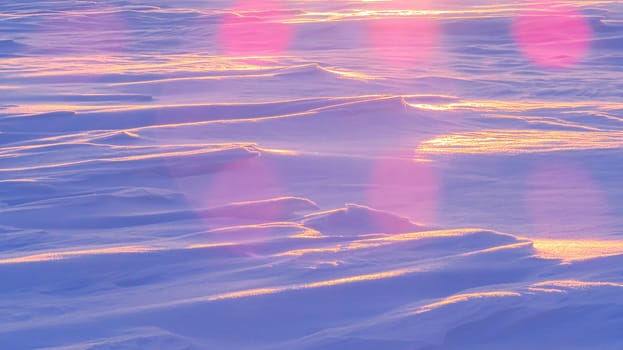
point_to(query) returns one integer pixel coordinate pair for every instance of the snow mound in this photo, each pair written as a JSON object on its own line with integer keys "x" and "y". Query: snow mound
{"x": 511, "y": 319}
{"x": 355, "y": 219}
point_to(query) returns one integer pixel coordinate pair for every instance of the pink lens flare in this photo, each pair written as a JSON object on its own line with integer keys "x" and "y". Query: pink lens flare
{"x": 405, "y": 186}
{"x": 401, "y": 36}
{"x": 552, "y": 36}
{"x": 403, "y": 5}
{"x": 236, "y": 201}
{"x": 562, "y": 200}
{"x": 240, "y": 183}
{"x": 255, "y": 27}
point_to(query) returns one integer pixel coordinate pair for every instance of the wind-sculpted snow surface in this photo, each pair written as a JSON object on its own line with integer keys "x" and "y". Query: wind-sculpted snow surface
{"x": 311, "y": 175}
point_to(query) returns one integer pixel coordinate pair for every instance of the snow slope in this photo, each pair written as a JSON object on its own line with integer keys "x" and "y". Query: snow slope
{"x": 311, "y": 175}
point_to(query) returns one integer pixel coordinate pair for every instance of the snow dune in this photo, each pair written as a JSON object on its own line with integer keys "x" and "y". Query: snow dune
{"x": 424, "y": 290}
{"x": 343, "y": 185}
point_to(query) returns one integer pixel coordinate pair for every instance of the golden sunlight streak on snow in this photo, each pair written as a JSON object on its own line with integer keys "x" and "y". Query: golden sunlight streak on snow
{"x": 574, "y": 250}
{"x": 520, "y": 141}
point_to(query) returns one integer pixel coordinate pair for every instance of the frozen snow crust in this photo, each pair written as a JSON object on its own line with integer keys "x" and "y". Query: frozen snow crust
{"x": 165, "y": 186}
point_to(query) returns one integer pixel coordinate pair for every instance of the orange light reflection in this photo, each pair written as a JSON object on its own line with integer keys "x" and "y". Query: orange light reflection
{"x": 576, "y": 250}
